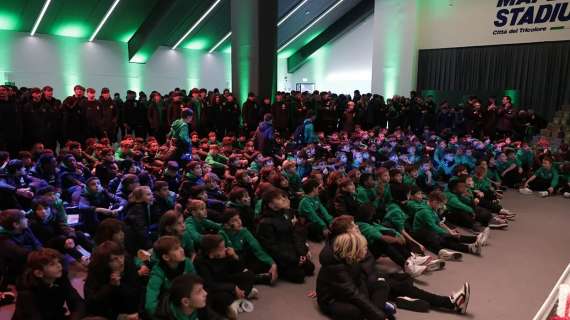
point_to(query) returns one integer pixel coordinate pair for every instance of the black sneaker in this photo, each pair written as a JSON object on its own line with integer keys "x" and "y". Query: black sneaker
{"x": 263, "y": 278}
{"x": 412, "y": 304}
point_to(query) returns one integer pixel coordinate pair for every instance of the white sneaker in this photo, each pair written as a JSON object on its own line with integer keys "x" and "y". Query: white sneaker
{"x": 245, "y": 306}
{"x": 566, "y": 195}
{"x": 460, "y": 299}
{"x": 525, "y": 191}
{"x": 420, "y": 260}
{"x": 506, "y": 212}
{"x": 253, "y": 294}
{"x": 475, "y": 248}
{"x": 543, "y": 194}
{"x": 413, "y": 270}
{"x": 435, "y": 265}
{"x": 449, "y": 255}
{"x": 498, "y": 223}
{"x": 483, "y": 237}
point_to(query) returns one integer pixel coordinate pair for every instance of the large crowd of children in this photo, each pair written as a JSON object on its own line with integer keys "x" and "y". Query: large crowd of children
{"x": 189, "y": 210}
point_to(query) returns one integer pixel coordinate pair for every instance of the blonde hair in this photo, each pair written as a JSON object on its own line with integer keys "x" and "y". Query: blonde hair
{"x": 136, "y": 195}
{"x": 351, "y": 247}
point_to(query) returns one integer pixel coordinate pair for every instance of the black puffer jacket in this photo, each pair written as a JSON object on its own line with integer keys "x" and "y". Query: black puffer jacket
{"x": 282, "y": 240}
{"x": 339, "y": 281}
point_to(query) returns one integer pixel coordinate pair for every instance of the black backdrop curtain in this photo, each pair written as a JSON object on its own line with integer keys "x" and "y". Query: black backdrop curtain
{"x": 539, "y": 71}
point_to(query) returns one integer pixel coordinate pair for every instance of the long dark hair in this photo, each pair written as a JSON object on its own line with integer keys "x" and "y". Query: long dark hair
{"x": 99, "y": 264}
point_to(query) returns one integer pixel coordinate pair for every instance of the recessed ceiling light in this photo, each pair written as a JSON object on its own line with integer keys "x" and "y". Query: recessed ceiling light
{"x": 195, "y": 25}
{"x": 40, "y": 17}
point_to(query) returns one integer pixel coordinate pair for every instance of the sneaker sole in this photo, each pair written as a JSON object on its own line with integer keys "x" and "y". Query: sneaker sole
{"x": 436, "y": 266}
{"x": 455, "y": 256}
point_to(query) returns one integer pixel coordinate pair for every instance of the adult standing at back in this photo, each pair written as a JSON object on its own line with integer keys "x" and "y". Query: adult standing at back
{"x": 73, "y": 115}
{"x": 506, "y": 115}
{"x": 250, "y": 113}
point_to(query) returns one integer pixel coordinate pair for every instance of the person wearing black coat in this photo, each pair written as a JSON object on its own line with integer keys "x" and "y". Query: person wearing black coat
{"x": 10, "y": 123}
{"x": 280, "y": 113}
{"x": 109, "y": 115}
{"x": 225, "y": 277}
{"x": 93, "y": 115}
{"x": 229, "y": 116}
{"x": 250, "y": 114}
{"x": 16, "y": 242}
{"x": 112, "y": 287}
{"x": 391, "y": 287}
{"x": 45, "y": 292}
{"x": 34, "y": 117}
{"x": 73, "y": 115}
{"x": 52, "y": 107}
{"x": 345, "y": 199}
{"x": 139, "y": 221}
{"x": 345, "y": 288}
{"x": 284, "y": 241}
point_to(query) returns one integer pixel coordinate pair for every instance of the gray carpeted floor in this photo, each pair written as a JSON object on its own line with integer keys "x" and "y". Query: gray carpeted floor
{"x": 509, "y": 281}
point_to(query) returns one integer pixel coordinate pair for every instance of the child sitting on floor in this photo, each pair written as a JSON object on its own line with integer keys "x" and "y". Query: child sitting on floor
{"x": 226, "y": 279}
{"x": 172, "y": 263}
{"x": 45, "y": 292}
{"x": 248, "y": 248}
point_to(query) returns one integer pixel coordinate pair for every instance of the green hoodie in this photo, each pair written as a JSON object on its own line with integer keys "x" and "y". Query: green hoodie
{"x": 314, "y": 211}
{"x": 457, "y": 203}
{"x": 243, "y": 240}
{"x": 159, "y": 282}
{"x": 426, "y": 218}
{"x": 216, "y": 161}
{"x": 374, "y": 231}
{"x": 179, "y": 131}
{"x": 483, "y": 184}
{"x": 197, "y": 228}
{"x": 551, "y": 175}
{"x": 525, "y": 157}
{"x": 366, "y": 195}
{"x": 395, "y": 217}
{"x": 413, "y": 206}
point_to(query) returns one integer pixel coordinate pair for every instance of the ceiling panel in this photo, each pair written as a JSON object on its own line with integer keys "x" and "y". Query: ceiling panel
{"x": 19, "y": 15}
{"x": 126, "y": 19}
{"x": 211, "y": 30}
{"x": 303, "y": 18}
{"x": 73, "y": 18}
{"x": 79, "y": 18}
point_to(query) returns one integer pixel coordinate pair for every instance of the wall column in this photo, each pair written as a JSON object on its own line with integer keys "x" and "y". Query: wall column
{"x": 395, "y": 50}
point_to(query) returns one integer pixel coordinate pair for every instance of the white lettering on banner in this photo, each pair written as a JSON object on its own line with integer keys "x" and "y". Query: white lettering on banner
{"x": 524, "y": 16}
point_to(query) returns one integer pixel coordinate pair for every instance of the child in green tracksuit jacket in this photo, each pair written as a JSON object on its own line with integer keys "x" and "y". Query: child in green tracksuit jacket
{"x": 250, "y": 252}
{"x": 172, "y": 263}
{"x": 381, "y": 240}
{"x": 415, "y": 203}
{"x": 461, "y": 208}
{"x": 198, "y": 223}
{"x": 366, "y": 191}
{"x": 428, "y": 229}
{"x": 311, "y": 208}
{"x": 544, "y": 180}
{"x": 509, "y": 170}
{"x": 397, "y": 219}
{"x": 186, "y": 300}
